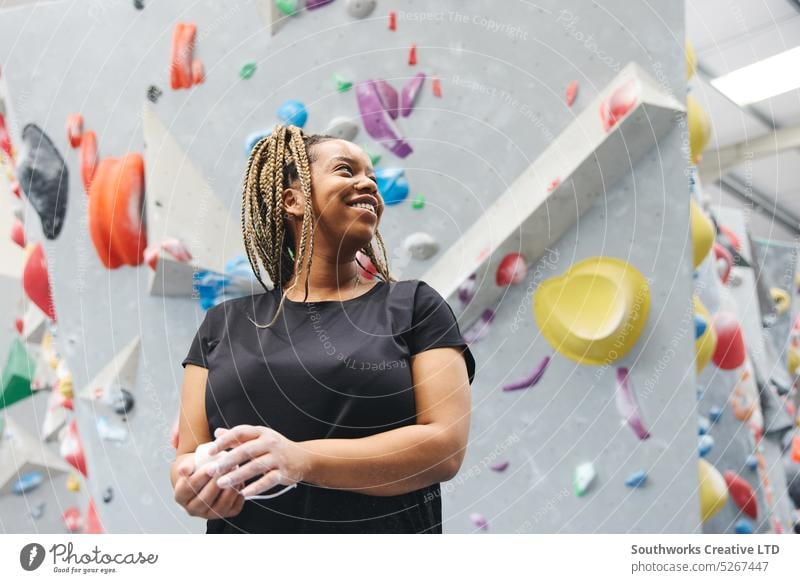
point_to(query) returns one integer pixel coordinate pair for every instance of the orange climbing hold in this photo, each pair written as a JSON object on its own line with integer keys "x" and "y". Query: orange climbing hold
{"x": 115, "y": 211}
{"x": 74, "y": 129}
{"x": 88, "y": 159}
{"x": 412, "y": 55}
{"x": 742, "y": 494}
{"x": 198, "y": 72}
{"x": 436, "y": 84}
{"x": 183, "y": 36}
{"x": 392, "y": 20}
{"x": 572, "y": 91}
{"x": 796, "y": 449}
{"x": 36, "y": 281}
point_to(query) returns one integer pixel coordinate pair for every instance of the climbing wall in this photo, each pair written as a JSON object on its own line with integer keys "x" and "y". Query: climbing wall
{"x": 493, "y": 101}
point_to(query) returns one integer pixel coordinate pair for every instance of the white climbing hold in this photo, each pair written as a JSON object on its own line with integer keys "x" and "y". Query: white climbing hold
{"x": 420, "y": 245}
{"x": 343, "y": 128}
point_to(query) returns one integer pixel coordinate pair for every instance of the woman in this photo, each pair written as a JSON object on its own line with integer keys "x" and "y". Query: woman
{"x": 355, "y": 392}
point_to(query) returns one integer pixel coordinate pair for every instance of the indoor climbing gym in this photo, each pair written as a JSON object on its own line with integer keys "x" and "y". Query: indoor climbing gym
{"x": 354, "y": 267}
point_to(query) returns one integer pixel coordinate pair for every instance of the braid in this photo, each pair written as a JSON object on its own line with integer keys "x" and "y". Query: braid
{"x": 275, "y": 162}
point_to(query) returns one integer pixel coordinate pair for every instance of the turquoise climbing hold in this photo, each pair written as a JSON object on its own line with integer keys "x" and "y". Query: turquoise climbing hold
{"x": 288, "y": 7}
{"x": 293, "y": 112}
{"x": 392, "y": 185}
{"x": 636, "y": 479}
{"x": 744, "y": 526}
{"x": 705, "y": 444}
{"x": 252, "y": 139}
{"x": 751, "y": 462}
{"x": 27, "y": 482}
{"x": 714, "y": 414}
{"x": 700, "y": 326}
{"x": 247, "y": 70}
{"x": 703, "y": 425}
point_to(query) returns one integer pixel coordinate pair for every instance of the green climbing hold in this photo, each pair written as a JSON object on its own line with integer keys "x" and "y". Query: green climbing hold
{"x": 583, "y": 477}
{"x": 17, "y": 374}
{"x": 342, "y": 84}
{"x": 247, "y": 70}
{"x": 418, "y": 202}
{"x": 374, "y": 158}
{"x": 287, "y": 6}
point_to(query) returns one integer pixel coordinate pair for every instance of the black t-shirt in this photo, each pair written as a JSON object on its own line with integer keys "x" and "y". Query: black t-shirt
{"x": 329, "y": 369}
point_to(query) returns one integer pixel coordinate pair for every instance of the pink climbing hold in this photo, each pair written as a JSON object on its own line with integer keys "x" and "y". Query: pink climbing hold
{"x": 18, "y": 232}
{"x": 572, "y": 91}
{"x": 627, "y": 405}
{"x": 512, "y": 269}
{"x": 172, "y": 246}
{"x": 92, "y": 524}
{"x": 392, "y": 20}
{"x": 436, "y": 85}
{"x": 479, "y": 521}
{"x": 74, "y": 129}
{"x": 88, "y": 159}
{"x": 198, "y": 72}
{"x": 499, "y": 467}
{"x": 554, "y": 184}
{"x": 617, "y": 105}
{"x": 534, "y": 378}
{"x": 72, "y": 519}
{"x": 409, "y": 94}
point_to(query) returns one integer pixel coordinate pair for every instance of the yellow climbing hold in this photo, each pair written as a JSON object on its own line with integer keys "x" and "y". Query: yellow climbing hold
{"x": 699, "y": 128}
{"x": 713, "y": 490}
{"x": 705, "y": 345}
{"x": 781, "y": 299}
{"x": 691, "y": 60}
{"x": 702, "y": 234}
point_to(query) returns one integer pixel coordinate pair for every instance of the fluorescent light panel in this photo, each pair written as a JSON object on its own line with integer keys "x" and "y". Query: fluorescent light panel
{"x": 762, "y": 80}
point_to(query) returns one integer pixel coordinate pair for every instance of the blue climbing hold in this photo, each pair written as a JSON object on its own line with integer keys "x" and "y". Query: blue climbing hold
{"x": 714, "y": 414}
{"x": 293, "y": 112}
{"x": 700, "y": 325}
{"x": 744, "y": 526}
{"x": 751, "y": 462}
{"x": 705, "y": 445}
{"x": 27, "y": 482}
{"x": 392, "y": 185}
{"x": 702, "y": 425}
{"x": 636, "y": 479}
{"x": 251, "y": 140}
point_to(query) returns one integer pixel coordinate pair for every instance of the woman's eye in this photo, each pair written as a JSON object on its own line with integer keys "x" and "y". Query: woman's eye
{"x": 345, "y": 168}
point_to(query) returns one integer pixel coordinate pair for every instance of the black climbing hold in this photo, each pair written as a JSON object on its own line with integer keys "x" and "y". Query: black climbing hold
{"x": 153, "y": 93}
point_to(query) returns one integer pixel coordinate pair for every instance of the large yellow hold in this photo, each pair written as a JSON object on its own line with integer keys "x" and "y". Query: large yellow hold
{"x": 713, "y": 490}
{"x": 699, "y": 128}
{"x": 702, "y": 234}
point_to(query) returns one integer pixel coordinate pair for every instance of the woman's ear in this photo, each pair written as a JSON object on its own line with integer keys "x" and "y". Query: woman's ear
{"x": 293, "y": 202}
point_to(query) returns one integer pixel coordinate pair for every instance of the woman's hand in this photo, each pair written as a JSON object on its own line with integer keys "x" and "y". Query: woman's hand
{"x": 258, "y": 451}
{"x": 200, "y": 495}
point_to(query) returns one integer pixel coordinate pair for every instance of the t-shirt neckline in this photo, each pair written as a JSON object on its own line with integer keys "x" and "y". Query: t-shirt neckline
{"x": 370, "y": 291}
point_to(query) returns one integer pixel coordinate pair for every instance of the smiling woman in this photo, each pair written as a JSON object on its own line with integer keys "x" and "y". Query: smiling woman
{"x": 366, "y": 447}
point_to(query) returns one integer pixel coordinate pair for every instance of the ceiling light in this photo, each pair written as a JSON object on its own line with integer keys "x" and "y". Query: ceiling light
{"x": 762, "y": 80}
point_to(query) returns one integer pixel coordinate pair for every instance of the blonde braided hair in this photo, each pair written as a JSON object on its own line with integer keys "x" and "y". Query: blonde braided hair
{"x": 276, "y": 162}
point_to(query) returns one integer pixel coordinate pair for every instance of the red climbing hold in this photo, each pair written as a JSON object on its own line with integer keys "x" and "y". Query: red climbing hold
{"x": 18, "y": 232}
{"x": 198, "y": 72}
{"x": 72, "y": 448}
{"x": 730, "y": 352}
{"x": 723, "y": 256}
{"x": 436, "y": 84}
{"x": 115, "y": 211}
{"x": 36, "y": 282}
{"x": 554, "y": 184}
{"x": 512, "y": 269}
{"x": 572, "y": 91}
{"x": 74, "y": 129}
{"x": 5, "y": 138}
{"x": 92, "y": 523}
{"x": 172, "y": 246}
{"x": 732, "y": 238}
{"x": 742, "y": 494}
{"x": 617, "y": 105}
{"x": 183, "y": 36}
{"x": 19, "y": 323}
{"x": 72, "y": 519}
{"x": 88, "y": 158}
{"x": 412, "y": 55}
{"x": 796, "y": 449}
{"x": 392, "y": 20}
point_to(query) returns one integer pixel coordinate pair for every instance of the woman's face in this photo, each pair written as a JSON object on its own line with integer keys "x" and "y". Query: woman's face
{"x": 341, "y": 175}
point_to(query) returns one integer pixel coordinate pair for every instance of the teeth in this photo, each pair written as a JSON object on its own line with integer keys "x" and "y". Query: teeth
{"x": 364, "y": 205}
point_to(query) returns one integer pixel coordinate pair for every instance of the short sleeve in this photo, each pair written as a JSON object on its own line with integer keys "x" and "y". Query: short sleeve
{"x": 434, "y": 325}
{"x": 198, "y": 351}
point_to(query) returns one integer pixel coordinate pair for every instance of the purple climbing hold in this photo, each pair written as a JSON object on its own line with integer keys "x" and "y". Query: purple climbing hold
{"x": 314, "y": 4}
{"x": 531, "y": 380}
{"x": 388, "y": 97}
{"x": 499, "y": 467}
{"x": 409, "y": 94}
{"x": 479, "y": 329}
{"x": 377, "y": 121}
{"x": 627, "y": 406}
{"x": 466, "y": 291}
{"x": 479, "y": 521}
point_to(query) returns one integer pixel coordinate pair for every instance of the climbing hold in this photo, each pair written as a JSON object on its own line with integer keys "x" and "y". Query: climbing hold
{"x": 72, "y": 519}
{"x": 88, "y": 159}
{"x": 583, "y": 477}
{"x": 343, "y": 128}
{"x": 420, "y": 246}
{"x": 627, "y": 406}
{"x": 388, "y": 97}
{"x": 365, "y": 267}
{"x": 412, "y": 54}
{"x": 636, "y": 479}
{"x": 595, "y": 312}
{"x": 743, "y": 526}
{"x": 700, "y": 324}
{"x": 751, "y": 463}
{"x": 409, "y": 94}
{"x": 782, "y": 300}
{"x": 572, "y": 91}
{"x": 252, "y": 139}
{"x": 699, "y": 129}
{"x": 73, "y": 483}
{"x": 691, "y": 59}
{"x": 19, "y": 324}
{"x": 92, "y": 523}
{"x": 115, "y": 211}
{"x": 392, "y": 185}
{"x": 714, "y": 414}
{"x": 183, "y": 37}
{"x": 730, "y": 352}
{"x": 107, "y": 432}
{"x": 619, "y": 103}
{"x": 27, "y": 482}
{"x": 313, "y": 4}
{"x": 119, "y": 399}
{"x": 436, "y": 86}
{"x": 247, "y": 70}
{"x": 288, "y": 7}
{"x": 702, "y": 234}
{"x": 796, "y": 449}
{"x": 18, "y": 232}
{"x": 480, "y": 329}
{"x": 479, "y": 521}
{"x": 72, "y": 449}
{"x": 173, "y": 246}
{"x": 154, "y": 93}
{"x": 360, "y": 8}
{"x": 392, "y": 20}
{"x": 108, "y": 495}
{"x": 377, "y": 120}
{"x": 742, "y": 494}
{"x": 724, "y": 262}
{"x": 37, "y": 511}
{"x": 292, "y": 112}
{"x": 74, "y": 129}
{"x": 198, "y": 72}
{"x": 499, "y": 467}
{"x": 713, "y": 490}
{"x": 374, "y": 158}
{"x": 703, "y": 425}
{"x": 16, "y": 374}
{"x": 418, "y": 202}
{"x": 512, "y": 269}
{"x": 730, "y": 237}
{"x": 44, "y": 178}
{"x": 341, "y": 83}
{"x": 35, "y": 280}
{"x": 532, "y": 379}
{"x": 138, "y": 4}
{"x": 553, "y": 184}
{"x": 704, "y": 346}
{"x": 705, "y": 443}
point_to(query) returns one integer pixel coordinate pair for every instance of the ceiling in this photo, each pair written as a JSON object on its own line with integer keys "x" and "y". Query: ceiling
{"x": 727, "y": 35}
